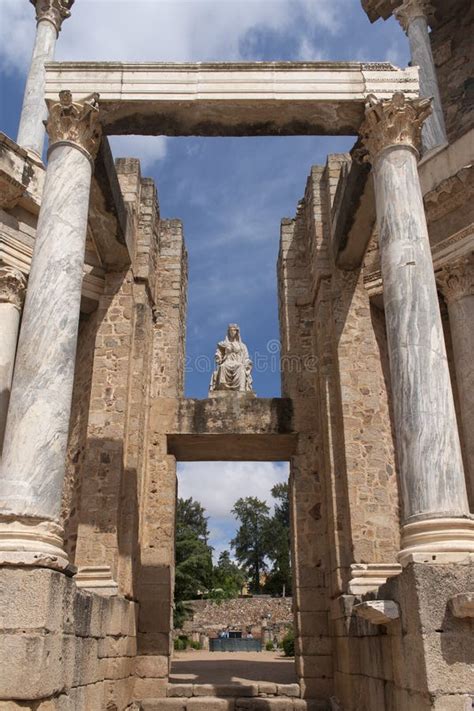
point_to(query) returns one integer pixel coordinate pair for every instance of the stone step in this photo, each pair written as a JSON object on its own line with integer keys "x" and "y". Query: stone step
{"x": 234, "y": 690}
{"x": 214, "y": 703}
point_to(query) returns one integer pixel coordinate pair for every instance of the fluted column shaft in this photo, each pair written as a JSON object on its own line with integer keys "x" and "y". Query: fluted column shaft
{"x": 12, "y": 289}
{"x": 36, "y": 433}
{"x": 431, "y": 472}
{"x": 456, "y": 282}
{"x": 49, "y": 15}
{"x": 412, "y": 15}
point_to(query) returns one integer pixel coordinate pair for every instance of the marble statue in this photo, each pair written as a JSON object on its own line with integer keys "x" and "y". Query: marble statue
{"x": 233, "y": 365}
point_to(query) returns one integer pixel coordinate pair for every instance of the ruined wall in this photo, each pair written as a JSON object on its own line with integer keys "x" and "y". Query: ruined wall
{"x": 418, "y": 662}
{"x": 253, "y": 613}
{"x": 62, "y": 648}
{"x": 308, "y": 515}
{"x": 451, "y": 40}
{"x": 155, "y": 576}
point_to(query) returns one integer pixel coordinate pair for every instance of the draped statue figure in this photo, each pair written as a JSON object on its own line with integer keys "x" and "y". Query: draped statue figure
{"x": 233, "y": 365}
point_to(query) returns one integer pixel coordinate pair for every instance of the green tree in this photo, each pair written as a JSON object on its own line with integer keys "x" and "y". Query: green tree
{"x": 193, "y": 554}
{"x": 252, "y": 541}
{"x": 228, "y": 577}
{"x": 280, "y": 577}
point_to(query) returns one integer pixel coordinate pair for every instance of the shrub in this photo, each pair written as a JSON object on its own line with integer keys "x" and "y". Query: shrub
{"x": 269, "y": 646}
{"x": 195, "y": 645}
{"x": 288, "y": 644}
{"x": 179, "y": 644}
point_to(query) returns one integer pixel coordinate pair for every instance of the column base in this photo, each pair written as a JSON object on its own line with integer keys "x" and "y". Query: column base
{"x": 98, "y": 579}
{"x": 366, "y": 577}
{"x": 438, "y": 540}
{"x": 27, "y": 542}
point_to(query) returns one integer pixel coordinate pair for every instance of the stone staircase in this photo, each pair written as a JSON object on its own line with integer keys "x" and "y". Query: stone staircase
{"x": 263, "y": 696}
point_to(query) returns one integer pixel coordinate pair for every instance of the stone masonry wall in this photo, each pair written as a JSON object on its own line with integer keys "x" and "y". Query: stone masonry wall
{"x": 241, "y": 614}
{"x": 308, "y": 516}
{"x": 63, "y": 649}
{"x": 451, "y": 41}
{"x": 155, "y": 577}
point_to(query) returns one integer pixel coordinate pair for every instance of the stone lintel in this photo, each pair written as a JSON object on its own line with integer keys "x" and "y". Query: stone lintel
{"x": 378, "y": 612}
{"x": 235, "y": 428}
{"x": 231, "y": 99}
{"x": 232, "y": 447}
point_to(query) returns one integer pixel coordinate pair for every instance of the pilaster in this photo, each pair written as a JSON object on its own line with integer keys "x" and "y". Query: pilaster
{"x": 456, "y": 282}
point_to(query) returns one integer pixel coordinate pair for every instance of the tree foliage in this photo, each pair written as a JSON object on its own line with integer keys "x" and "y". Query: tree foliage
{"x": 279, "y": 577}
{"x": 193, "y": 554}
{"x": 228, "y": 578}
{"x": 252, "y": 540}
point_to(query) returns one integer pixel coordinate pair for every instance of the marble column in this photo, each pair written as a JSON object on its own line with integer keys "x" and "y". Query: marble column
{"x": 456, "y": 282}
{"x": 436, "y": 520}
{"x": 12, "y": 291}
{"x": 36, "y": 433}
{"x": 49, "y": 17}
{"x": 412, "y": 15}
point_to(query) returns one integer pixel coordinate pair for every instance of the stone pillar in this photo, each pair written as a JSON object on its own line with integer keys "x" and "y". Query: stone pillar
{"x": 38, "y": 417}
{"x": 436, "y": 516}
{"x": 49, "y": 17}
{"x": 412, "y": 15}
{"x": 456, "y": 282}
{"x": 12, "y": 291}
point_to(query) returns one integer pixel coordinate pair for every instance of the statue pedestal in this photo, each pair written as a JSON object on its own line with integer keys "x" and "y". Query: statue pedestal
{"x": 231, "y": 394}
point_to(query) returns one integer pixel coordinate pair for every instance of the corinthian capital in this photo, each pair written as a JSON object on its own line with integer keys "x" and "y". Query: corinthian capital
{"x": 393, "y": 122}
{"x": 456, "y": 280}
{"x": 410, "y": 9}
{"x": 75, "y": 122}
{"x": 12, "y": 286}
{"x": 54, "y": 11}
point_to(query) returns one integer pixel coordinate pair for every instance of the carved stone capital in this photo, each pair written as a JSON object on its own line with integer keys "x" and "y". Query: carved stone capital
{"x": 411, "y": 9}
{"x": 456, "y": 280}
{"x": 75, "y": 122}
{"x": 12, "y": 286}
{"x": 54, "y": 11}
{"x": 392, "y": 122}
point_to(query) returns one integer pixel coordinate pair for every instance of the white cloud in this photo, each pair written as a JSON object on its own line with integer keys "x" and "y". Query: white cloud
{"x": 148, "y": 149}
{"x": 218, "y": 485}
{"x": 161, "y": 30}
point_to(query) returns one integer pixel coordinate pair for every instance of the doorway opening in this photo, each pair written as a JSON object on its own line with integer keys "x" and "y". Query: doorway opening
{"x": 233, "y": 614}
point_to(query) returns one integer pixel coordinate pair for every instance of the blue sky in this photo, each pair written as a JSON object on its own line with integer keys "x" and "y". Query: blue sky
{"x": 231, "y": 193}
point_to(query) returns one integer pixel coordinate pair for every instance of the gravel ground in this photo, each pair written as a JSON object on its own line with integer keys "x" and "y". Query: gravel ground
{"x": 200, "y": 667}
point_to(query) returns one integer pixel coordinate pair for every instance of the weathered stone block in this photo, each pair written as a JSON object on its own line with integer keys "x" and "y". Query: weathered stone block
{"x": 210, "y": 703}
{"x": 152, "y": 665}
{"x": 35, "y": 666}
{"x": 117, "y": 647}
{"x": 35, "y": 599}
{"x": 181, "y": 690}
{"x": 163, "y": 705}
{"x": 150, "y": 688}
{"x": 292, "y": 690}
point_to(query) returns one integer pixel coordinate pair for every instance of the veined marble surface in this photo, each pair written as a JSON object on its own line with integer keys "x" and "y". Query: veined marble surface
{"x": 431, "y": 468}
{"x": 34, "y": 111}
{"x": 38, "y": 418}
{"x": 434, "y": 131}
